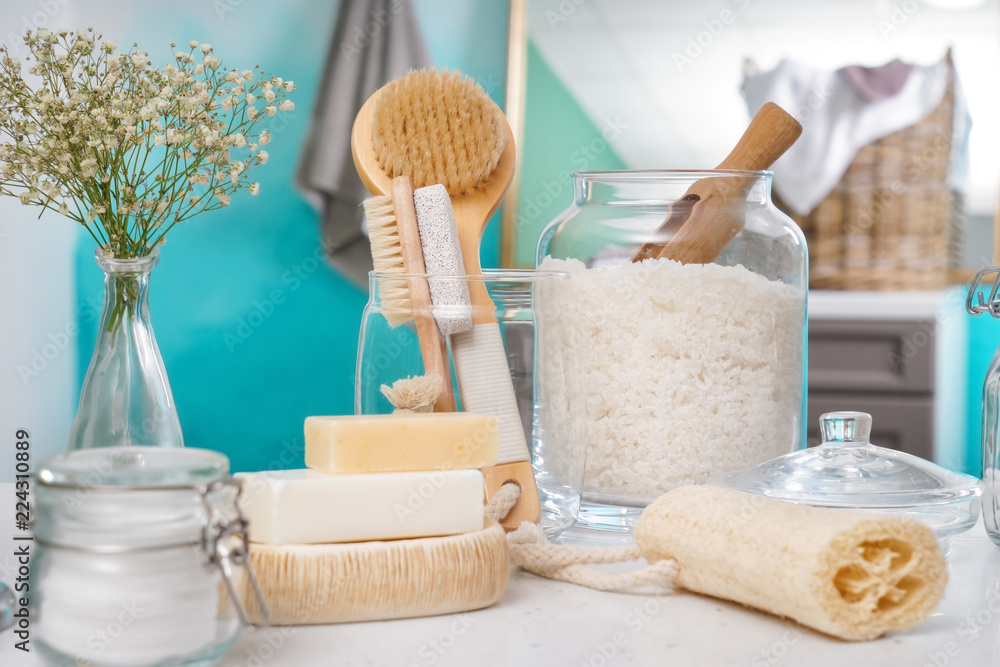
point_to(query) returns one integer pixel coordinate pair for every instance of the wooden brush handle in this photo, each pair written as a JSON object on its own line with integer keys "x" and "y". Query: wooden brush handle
{"x": 433, "y": 348}
{"x": 528, "y": 507}
{"x": 771, "y": 132}
{"x": 473, "y": 211}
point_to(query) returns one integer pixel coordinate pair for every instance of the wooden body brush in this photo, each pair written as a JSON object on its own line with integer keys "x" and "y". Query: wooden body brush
{"x": 392, "y": 229}
{"x": 441, "y": 128}
{"x": 710, "y": 214}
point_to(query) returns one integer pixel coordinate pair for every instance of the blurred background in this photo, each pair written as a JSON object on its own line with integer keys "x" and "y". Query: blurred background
{"x": 599, "y": 84}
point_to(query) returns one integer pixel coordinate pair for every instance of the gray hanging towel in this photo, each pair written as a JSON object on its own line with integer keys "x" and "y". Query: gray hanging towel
{"x": 374, "y": 41}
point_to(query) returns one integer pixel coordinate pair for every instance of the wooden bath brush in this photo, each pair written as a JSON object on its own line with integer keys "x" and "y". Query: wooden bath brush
{"x": 442, "y": 128}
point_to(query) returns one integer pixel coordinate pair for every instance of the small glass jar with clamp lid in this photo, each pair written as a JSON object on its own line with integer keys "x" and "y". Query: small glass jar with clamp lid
{"x": 135, "y": 558}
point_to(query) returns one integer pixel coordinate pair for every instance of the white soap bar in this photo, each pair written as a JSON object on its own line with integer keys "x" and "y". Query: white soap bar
{"x": 309, "y": 507}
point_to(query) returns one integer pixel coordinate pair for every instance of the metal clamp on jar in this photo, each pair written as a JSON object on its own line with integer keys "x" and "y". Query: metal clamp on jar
{"x": 136, "y": 554}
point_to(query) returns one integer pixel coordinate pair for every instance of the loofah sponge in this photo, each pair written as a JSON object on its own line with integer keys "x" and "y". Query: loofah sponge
{"x": 853, "y": 575}
{"x": 438, "y": 127}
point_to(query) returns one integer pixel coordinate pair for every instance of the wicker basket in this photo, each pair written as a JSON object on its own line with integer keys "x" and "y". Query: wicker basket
{"x": 890, "y": 223}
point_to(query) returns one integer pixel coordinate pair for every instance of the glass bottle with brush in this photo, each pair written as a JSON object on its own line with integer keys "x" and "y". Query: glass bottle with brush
{"x": 391, "y": 374}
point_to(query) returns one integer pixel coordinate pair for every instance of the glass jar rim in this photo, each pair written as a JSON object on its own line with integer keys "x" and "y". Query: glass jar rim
{"x": 488, "y": 276}
{"x": 641, "y": 175}
{"x": 133, "y": 469}
{"x": 142, "y": 264}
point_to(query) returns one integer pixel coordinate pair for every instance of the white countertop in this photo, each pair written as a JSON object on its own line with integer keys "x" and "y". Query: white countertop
{"x": 540, "y": 622}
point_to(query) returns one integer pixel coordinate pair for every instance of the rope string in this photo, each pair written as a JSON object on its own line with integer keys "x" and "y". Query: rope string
{"x": 503, "y": 501}
{"x": 530, "y": 550}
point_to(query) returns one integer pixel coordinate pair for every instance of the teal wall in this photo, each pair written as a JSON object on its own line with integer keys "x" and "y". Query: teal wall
{"x": 952, "y": 398}
{"x": 558, "y": 137}
{"x": 242, "y": 389}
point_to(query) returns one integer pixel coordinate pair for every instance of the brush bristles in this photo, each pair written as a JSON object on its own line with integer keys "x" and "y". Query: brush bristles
{"x": 438, "y": 127}
{"x": 387, "y": 257}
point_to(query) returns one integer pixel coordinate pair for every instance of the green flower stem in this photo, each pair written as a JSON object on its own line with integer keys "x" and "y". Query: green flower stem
{"x": 125, "y": 301}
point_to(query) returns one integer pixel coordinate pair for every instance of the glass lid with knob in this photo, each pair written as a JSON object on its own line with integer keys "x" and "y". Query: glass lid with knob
{"x": 847, "y": 471}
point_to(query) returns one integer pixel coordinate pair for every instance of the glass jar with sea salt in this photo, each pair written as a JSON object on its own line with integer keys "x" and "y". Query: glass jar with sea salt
{"x": 134, "y": 565}
{"x": 689, "y": 294}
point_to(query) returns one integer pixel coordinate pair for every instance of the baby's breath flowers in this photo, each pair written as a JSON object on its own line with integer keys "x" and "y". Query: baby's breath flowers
{"x": 126, "y": 149}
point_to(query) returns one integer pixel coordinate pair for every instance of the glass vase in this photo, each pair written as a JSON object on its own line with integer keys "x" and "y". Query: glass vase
{"x": 126, "y": 399}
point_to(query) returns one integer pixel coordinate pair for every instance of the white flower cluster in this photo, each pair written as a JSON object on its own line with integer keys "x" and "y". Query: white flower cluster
{"x": 126, "y": 149}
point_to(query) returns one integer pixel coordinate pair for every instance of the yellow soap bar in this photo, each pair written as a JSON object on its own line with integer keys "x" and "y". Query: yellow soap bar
{"x": 401, "y": 443}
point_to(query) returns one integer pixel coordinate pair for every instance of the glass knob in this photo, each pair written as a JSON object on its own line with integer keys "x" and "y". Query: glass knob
{"x": 845, "y": 427}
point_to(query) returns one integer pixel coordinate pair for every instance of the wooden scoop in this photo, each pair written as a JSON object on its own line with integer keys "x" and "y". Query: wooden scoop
{"x": 710, "y": 214}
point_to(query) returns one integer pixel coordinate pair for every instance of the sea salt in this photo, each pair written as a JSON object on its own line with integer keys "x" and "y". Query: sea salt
{"x": 690, "y": 371}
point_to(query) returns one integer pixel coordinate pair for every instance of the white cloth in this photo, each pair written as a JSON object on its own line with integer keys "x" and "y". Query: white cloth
{"x": 837, "y": 121}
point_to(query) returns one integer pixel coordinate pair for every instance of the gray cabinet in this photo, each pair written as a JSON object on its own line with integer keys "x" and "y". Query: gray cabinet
{"x": 905, "y": 423}
{"x": 890, "y": 357}
{"x": 881, "y": 363}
